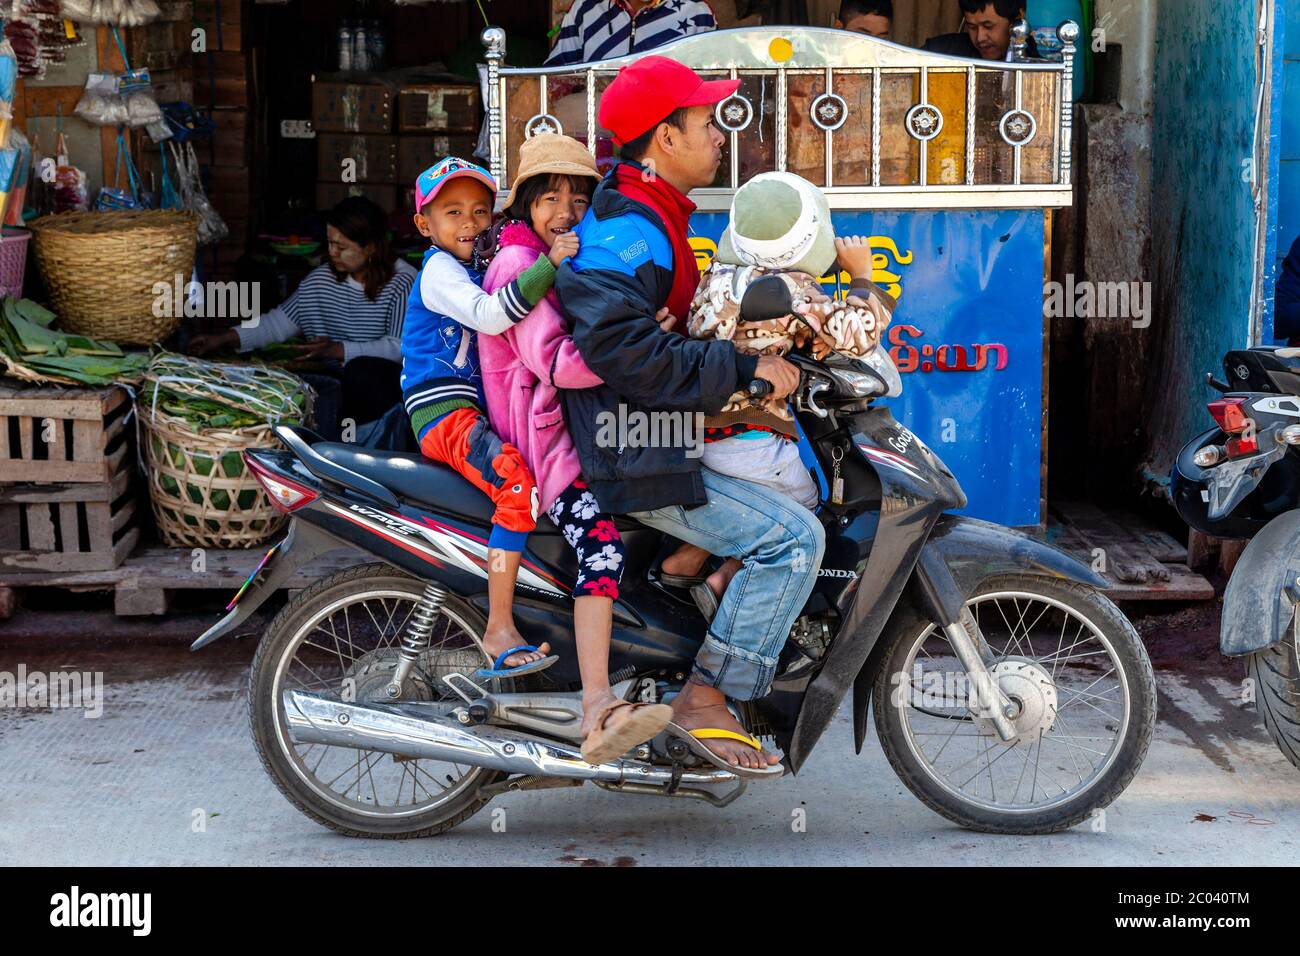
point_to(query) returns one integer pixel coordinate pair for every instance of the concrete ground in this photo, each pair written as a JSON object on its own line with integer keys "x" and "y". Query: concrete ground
{"x": 173, "y": 747}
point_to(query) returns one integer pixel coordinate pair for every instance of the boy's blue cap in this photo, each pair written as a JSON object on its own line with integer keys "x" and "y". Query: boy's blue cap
{"x": 443, "y": 172}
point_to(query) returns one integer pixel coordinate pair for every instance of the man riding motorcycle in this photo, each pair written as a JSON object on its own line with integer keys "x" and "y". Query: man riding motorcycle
{"x": 634, "y": 260}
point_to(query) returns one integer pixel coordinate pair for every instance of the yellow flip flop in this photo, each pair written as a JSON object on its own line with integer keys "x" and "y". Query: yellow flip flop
{"x": 694, "y": 739}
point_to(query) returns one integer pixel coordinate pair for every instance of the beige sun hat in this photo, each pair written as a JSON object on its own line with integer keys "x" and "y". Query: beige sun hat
{"x": 553, "y": 153}
{"x": 779, "y": 221}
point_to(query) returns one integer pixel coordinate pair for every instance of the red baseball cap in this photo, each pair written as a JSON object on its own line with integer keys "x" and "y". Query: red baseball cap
{"x": 644, "y": 93}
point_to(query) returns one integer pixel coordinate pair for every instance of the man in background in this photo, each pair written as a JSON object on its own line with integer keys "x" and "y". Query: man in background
{"x": 595, "y": 30}
{"x": 986, "y": 31}
{"x": 875, "y": 18}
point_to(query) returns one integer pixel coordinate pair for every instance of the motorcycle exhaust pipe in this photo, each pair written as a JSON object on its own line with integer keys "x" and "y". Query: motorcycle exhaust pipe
{"x": 392, "y": 728}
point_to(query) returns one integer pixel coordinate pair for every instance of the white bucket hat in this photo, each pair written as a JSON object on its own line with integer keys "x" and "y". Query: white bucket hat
{"x": 779, "y": 221}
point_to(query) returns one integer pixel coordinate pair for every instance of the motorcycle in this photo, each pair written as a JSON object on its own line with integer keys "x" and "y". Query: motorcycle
{"x": 365, "y": 716}
{"x": 1241, "y": 479}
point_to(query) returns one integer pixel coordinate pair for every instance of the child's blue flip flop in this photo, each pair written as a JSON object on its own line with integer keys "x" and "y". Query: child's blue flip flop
{"x": 532, "y": 667}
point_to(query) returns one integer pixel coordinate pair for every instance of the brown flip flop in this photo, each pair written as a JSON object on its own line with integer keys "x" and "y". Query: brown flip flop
{"x": 645, "y": 721}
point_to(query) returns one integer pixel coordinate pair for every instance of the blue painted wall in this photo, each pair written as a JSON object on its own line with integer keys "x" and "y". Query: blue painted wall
{"x": 1203, "y": 223}
{"x": 1285, "y": 210}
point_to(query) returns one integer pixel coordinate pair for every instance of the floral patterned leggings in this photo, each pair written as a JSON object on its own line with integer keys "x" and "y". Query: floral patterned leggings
{"x": 591, "y": 534}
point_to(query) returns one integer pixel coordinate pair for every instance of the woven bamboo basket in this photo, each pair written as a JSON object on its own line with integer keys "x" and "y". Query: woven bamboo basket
{"x": 203, "y": 495}
{"x": 101, "y": 269}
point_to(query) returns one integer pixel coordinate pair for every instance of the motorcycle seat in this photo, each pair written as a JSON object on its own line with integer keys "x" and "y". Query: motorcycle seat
{"x": 427, "y": 484}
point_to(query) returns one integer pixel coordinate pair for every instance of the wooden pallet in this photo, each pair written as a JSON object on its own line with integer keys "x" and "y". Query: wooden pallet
{"x": 57, "y": 435}
{"x": 1139, "y": 561}
{"x": 145, "y": 581}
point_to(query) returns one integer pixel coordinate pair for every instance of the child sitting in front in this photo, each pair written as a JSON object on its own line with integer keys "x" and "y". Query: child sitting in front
{"x": 780, "y": 225}
{"x": 442, "y": 386}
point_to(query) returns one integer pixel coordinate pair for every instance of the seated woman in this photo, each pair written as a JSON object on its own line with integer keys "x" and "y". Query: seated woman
{"x": 350, "y": 310}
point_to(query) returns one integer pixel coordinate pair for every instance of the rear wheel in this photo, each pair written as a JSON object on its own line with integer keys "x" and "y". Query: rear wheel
{"x": 1084, "y": 692}
{"x": 341, "y": 636}
{"x": 1276, "y": 673}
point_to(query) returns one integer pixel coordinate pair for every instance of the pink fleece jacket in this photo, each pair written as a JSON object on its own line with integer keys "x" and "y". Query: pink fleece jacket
{"x": 524, "y": 366}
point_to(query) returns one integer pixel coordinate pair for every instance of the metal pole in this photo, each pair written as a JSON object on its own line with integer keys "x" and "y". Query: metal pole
{"x": 830, "y": 146}
{"x": 1068, "y": 32}
{"x": 1020, "y": 85}
{"x": 875, "y": 127}
{"x": 735, "y": 143}
{"x": 970, "y": 126}
{"x": 781, "y": 107}
{"x": 494, "y": 38}
{"x": 924, "y": 171}
{"x": 591, "y": 111}
{"x": 1019, "y": 41}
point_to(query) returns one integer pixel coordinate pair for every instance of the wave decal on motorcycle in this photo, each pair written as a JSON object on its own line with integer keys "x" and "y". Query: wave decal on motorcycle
{"x": 887, "y": 458}
{"x": 448, "y": 545}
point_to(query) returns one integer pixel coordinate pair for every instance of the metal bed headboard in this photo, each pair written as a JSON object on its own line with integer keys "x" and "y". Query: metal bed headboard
{"x": 786, "y": 54}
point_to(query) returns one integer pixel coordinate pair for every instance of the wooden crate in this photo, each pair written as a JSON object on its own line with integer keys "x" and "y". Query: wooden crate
{"x": 77, "y": 526}
{"x": 57, "y": 435}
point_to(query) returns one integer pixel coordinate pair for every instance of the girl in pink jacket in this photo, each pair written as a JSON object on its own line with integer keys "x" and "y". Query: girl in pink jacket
{"x": 523, "y": 368}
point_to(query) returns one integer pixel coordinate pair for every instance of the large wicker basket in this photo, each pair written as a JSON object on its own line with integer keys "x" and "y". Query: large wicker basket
{"x": 102, "y": 267}
{"x": 203, "y": 495}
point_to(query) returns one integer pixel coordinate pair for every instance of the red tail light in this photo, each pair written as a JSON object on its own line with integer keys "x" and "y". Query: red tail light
{"x": 285, "y": 495}
{"x": 1230, "y": 415}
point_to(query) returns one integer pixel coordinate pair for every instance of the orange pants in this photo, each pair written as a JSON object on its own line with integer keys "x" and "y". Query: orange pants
{"x": 464, "y": 441}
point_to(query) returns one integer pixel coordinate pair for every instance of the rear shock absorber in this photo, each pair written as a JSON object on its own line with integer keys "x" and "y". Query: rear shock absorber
{"x": 416, "y": 639}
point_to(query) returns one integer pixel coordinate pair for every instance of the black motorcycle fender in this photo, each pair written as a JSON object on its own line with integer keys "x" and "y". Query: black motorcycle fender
{"x": 973, "y": 551}
{"x": 303, "y": 543}
{"x": 1256, "y": 607}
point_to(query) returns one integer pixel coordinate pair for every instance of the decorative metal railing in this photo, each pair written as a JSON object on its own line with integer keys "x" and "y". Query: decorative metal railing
{"x": 875, "y": 124}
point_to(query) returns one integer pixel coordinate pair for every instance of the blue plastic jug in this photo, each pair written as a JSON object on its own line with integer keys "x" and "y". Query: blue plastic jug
{"x": 1049, "y": 14}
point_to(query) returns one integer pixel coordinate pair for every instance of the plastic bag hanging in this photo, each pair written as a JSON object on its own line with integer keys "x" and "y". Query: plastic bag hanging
{"x": 19, "y": 182}
{"x": 212, "y": 228}
{"x": 121, "y": 99}
{"x": 122, "y": 13}
{"x": 168, "y": 197}
{"x": 71, "y": 193}
{"x": 114, "y": 197}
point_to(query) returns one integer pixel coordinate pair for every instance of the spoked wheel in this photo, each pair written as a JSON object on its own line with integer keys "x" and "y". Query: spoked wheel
{"x": 1083, "y": 698}
{"x": 341, "y": 636}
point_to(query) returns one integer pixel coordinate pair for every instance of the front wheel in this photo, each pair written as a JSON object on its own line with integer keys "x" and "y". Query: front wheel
{"x": 1079, "y": 678}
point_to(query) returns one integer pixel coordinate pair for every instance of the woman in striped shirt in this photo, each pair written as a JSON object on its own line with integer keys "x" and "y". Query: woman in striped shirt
{"x": 350, "y": 310}
{"x": 604, "y": 29}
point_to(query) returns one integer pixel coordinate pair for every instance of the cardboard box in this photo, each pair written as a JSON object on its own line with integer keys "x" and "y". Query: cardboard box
{"x": 387, "y": 197}
{"x": 416, "y": 153}
{"x": 338, "y": 107}
{"x": 439, "y": 107}
{"x": 373, "y": 157}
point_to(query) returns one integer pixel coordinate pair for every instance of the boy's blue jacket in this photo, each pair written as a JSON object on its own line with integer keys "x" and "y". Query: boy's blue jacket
{"x": 440, "y": 367}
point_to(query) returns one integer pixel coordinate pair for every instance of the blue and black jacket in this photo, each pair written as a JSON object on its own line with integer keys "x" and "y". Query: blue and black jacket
{"x": 610, "y": 291}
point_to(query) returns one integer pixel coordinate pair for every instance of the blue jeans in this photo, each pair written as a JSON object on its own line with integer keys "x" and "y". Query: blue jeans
{"x": 781, "y": 544}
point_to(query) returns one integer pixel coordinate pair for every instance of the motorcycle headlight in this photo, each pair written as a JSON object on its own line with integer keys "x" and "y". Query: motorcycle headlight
{"x": 862, "y": 378}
